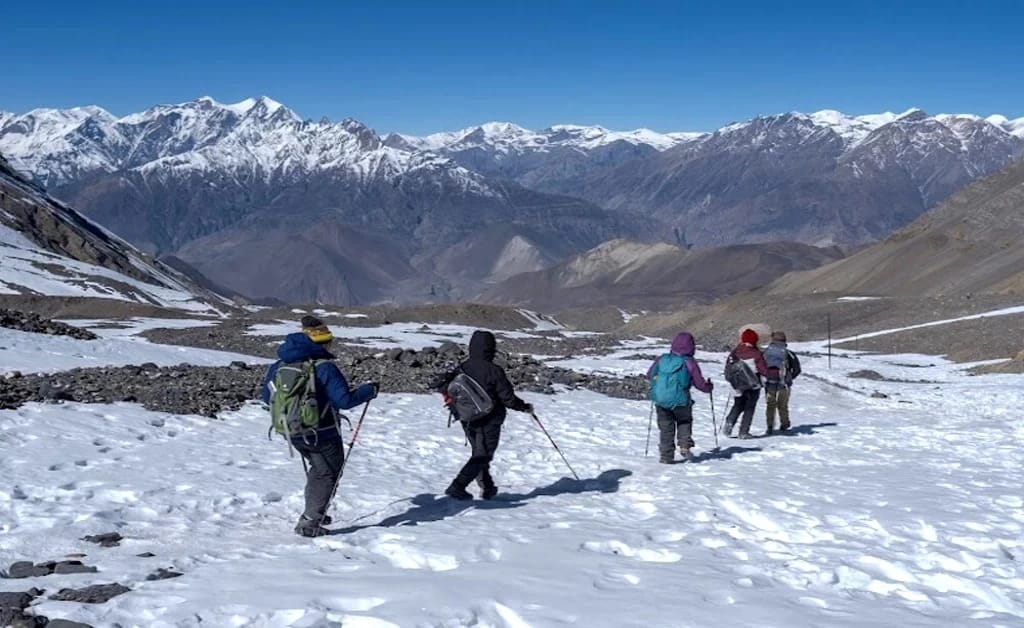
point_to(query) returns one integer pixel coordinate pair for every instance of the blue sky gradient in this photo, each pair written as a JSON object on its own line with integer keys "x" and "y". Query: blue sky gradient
{"x": 419, "y": 67}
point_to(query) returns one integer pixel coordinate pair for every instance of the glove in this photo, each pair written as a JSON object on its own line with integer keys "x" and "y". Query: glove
{"x": 528, "y": 408}
{"x": 711, "y": 387}
{"x": 376, "y": 389}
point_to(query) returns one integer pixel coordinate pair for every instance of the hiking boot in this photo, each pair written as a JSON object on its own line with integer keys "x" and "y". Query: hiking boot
{"x": 486, "y": 483}
{"x": 727, "y": 429}
{"x": 769, "y": 431}
{"x": 784, "y": 427}
{"x": 744, "y": 436}
{"x": 685, "y": 454}
{"x": 309, "y": 528}
{"x": 458, "y": 492}
{"x": 667, "y": 459}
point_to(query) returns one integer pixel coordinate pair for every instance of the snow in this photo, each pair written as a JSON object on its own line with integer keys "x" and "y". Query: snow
{"x": 858, "y": 298}
{"x": 971, "y": 317}
{"x": 541, "y": 322}
{"x": 26, "y": 268}
{"x": 830, "y": 525}
{"x": 39, "y": 353}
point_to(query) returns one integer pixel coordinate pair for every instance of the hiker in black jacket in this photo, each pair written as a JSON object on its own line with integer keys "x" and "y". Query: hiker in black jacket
{"x": 483, "y": 434}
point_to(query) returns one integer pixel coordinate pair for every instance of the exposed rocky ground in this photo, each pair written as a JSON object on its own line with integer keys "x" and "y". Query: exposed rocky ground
{"x": 187, "y": 389}
{"x": 34, "y": 323}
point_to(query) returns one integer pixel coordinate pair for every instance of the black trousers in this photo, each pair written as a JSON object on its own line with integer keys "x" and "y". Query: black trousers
{"x": 324, "y": 459}
{"x": 483, "y": 437}
{"x": 745, "y": 403}
{"x": 675, "y": 426}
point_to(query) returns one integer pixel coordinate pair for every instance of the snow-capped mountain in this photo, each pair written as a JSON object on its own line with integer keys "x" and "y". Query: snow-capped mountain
{"x": 47, "y": 248}
{"x": 220, "y": 185}
{"x": 552, "y": 159}
{"x": 818, "y": 178}
{"x": 228, "y": 188}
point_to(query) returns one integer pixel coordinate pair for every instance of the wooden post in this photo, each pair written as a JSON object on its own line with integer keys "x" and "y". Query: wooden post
{"x": 828, "y": 323}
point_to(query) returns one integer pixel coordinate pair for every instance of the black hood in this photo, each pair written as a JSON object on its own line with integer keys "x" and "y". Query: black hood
{"x": 482, "y": 345}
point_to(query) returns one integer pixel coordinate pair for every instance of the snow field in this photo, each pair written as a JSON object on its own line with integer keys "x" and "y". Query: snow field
{"x": 870, "y": 511}
{"x": 40, "y": 353}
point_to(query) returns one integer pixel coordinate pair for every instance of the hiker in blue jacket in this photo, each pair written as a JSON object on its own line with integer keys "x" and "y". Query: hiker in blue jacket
{"x": 322, "y": 449}
{"x": 670, "y": 377}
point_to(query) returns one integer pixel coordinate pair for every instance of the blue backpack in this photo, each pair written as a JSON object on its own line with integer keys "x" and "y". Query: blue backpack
{"x": 670, "y": 381}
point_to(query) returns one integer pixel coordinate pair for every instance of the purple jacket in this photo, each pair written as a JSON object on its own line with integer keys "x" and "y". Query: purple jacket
{"x": 683, "y": 344}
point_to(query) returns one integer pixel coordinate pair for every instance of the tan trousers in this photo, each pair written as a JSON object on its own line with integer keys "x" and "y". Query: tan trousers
{"x": 777, "y": 398}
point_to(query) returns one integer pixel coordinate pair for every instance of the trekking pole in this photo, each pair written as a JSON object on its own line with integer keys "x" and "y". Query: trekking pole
{"x": 650, "y": 421}
{"x": 352, "y": 443}
{"x": 344, "y": 461}
{"x": 555, "y": 445}
{"x": 714, "y": 422}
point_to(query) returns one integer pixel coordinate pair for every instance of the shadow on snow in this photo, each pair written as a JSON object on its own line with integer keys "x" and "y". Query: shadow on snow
{"x": 428, "y": 507}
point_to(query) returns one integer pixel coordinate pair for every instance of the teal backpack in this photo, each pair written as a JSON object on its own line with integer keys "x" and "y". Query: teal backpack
{"x": 670, "y": 381}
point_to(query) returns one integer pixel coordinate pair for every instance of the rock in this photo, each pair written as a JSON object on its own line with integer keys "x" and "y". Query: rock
{"x": 879, "y": 395}
{"x": 107, "y": 539}
{"x": 95, "y": 594}
{"x": 164, "y": 574}
{"x": 73, "y": 566}
{"x": 51, "y": 390}
{"x": 868, "y": 374}
{"x": 146, "y": 555}
{"x": 15, "y": 618}
{"x": 66, "y": 623}
{"x": 393, "y": 354}
{"x": 238, "y": 365}
{"x": 16, "y": 600}
{"x": 25, "y": 569}
{"x": 449, "y": 348}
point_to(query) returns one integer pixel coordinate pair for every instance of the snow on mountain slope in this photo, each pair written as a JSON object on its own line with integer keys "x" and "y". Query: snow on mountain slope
{"x": 47, "y": 248}
{"x": 827, "y": 525}
{"x": 257, "y": 134}
{"x": 506, "y": 137}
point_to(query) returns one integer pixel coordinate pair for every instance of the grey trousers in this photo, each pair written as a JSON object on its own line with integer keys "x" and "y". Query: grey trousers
{"x": 676, "y": 428}
{"x": 325, "y": 459}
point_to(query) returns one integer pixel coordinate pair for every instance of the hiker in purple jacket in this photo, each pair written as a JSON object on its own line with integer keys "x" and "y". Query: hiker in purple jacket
{"x": 675, "y": 425}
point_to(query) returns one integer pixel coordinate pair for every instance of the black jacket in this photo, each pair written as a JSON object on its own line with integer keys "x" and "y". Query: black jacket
{"x": 481, "y": 367}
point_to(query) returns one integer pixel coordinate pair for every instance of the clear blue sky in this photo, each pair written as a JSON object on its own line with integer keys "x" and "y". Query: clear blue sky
{"x": 418, "y": 67}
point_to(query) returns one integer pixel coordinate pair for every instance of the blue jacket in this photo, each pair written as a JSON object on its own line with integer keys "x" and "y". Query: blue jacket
{"x": 332, "y": 389}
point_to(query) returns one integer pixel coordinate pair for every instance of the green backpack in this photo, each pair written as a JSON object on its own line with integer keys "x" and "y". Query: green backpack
{"x": 293, "y": 408}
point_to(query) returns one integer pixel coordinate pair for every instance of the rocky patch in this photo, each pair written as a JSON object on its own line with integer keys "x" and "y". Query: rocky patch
{"x": 94, "y": 594}
{"x": 33, "y": 323}
{"x": 205, "y": 391}
{"x": 25, "y": 569}
{"x": 108, "y": 539}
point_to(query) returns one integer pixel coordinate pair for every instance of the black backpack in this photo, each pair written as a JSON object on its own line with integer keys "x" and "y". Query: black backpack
{"x": 739, "y": 374}
{"x": 792, "y": 365}
{"x": 469, "y": 401}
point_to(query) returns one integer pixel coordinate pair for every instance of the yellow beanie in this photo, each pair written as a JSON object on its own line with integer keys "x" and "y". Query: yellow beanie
{"x": 316, "y": 330}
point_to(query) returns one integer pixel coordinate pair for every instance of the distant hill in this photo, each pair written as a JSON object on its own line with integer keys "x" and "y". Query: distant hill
{"x": 626, "y": 274}
{"x": 969, "y": 244}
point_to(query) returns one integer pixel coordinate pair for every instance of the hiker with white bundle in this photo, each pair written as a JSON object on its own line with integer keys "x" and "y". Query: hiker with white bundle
{"x": 477, "y": 393}
{"x": 305, "y": 390}
{"x": 671, "y": 377}
{"x": 744, "y": 369}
